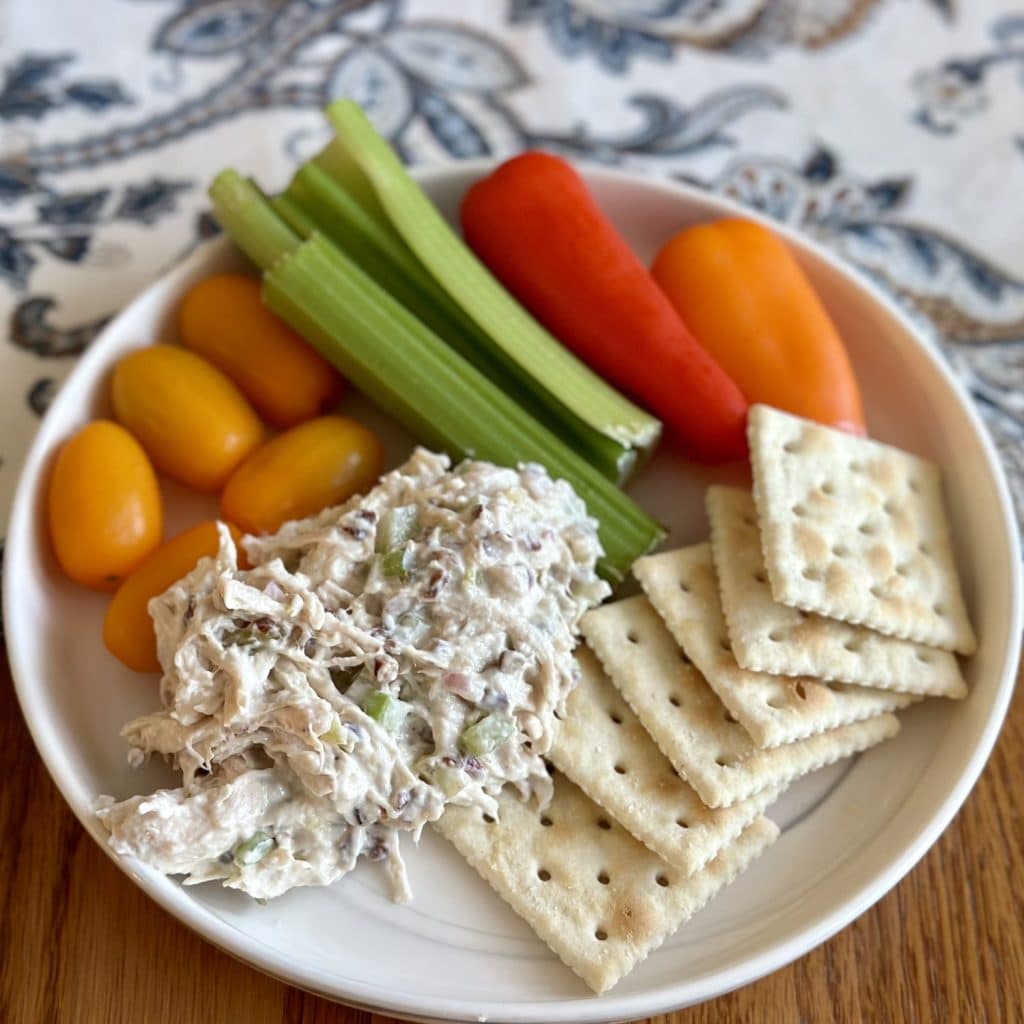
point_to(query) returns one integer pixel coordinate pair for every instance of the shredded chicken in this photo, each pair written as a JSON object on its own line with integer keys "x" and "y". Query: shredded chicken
{"x": 407, "y": 649}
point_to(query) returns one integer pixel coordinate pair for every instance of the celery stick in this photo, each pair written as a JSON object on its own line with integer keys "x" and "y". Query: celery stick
{"x": 242, "y": 211}
{"x": 314, "y": 199}
{"x": 526, "y": 348}
{"x": 401, "y": 364}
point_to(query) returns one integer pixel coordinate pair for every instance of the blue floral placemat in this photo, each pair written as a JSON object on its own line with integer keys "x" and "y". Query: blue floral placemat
{"x": 890, "y": 130}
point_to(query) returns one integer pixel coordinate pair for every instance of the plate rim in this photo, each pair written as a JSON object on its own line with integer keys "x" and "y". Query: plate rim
{"x": 585, "y": 1008}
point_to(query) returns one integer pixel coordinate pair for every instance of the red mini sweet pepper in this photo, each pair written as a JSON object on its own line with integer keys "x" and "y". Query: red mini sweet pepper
{"x": 538, "y": 229}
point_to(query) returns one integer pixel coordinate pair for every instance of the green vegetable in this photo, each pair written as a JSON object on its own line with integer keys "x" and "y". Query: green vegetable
{"x": 334, "y": 736}
{"x": 253, "y": 849}
{"x": 489, "y": 733}
{"x": 398, "y": 362}
{"x": 394, "y": 562}
{"x": 396, "y": 526}
{"x": 574, "y": 394}
{"x": 385, "y": 710}
{"x": 315, "y": 201}
{"x": 244, "y": 213}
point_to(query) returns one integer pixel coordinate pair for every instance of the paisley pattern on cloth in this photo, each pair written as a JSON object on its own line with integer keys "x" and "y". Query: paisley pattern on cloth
{"x": 889, "y": 130}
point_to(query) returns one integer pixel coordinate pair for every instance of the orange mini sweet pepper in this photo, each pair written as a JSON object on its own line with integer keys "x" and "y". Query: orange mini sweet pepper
{"x": 743, "y": 295}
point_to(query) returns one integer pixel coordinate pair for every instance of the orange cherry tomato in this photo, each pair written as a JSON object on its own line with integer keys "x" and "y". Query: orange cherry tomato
{"x": 223, "y": 319}
{"x": 300, "y": 472}
{"x": 104, "y": 507}
{"x": 127, "y": 628}
{"x": 194, "y": 423}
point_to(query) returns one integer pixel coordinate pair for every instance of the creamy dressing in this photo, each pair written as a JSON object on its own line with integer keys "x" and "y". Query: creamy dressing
{"x": 381, "y": 659}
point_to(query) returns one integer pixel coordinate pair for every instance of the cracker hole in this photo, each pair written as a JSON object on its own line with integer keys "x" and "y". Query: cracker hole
{"x": 801, "y": 691}
{"x": 760, "y": 577}
{"x": 604, "y": 824}
{"x": 857, "y": 466}
{"x": 877, "y": 591}
{"x": 924, "y": 549}
{"x": 684, "y": 586}
{"x": 546, "y": 821}
{"x": 723, "y": 762}
{"x": 925, "y": 657}
{"x": 890, "y": 508}
{"x": 799, "y": 510}
{"x": 682, "y": 823}
{"x": 603, "y": 877}
{"x": 662, "y": 880}
{"x": 632, "y": 637}
{"x": 620, "y": 769}
{"x": 815, "y": 575}
{"x": 774, "y": 702}
{"x": 776, "y": 636}
{"x": 544, "y": 875}
{"x": 615, "y": 717}
{"x": 840, "y": 551}
{"x": 675, "y": 701}
{"x": 490, "y": 819}
{"x": 683, "y": 658}
{"x": 749, "y": 521}
{"x": 828, "y": 487}
{"x": 730, "y": 717}
{"x": 939, "y": 609}
{"x": 600, "y": 935}
{"x": 725, "y": 645}
{"x": 792, "y": 447}
{"x": 903, "y": 569}
{"x": 868, "y": 529}
{"x": 915, "y": 485}
{"x": 853, "y": 646}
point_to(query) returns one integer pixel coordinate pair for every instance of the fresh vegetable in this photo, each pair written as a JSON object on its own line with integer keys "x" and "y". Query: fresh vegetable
{"x": 487, "y": 734}
{"x": 316, "y": 464}
{"x": 194, "y": 423}
{"x": 386, "y": 710}
{"x": 104, "y": 507}
{"x": 253, "y": 849}
{"x": 587, "y": 408}
{"x": 396, "y": 526}
{"x": 742, "y": 293}
{"x": 222, "y": 319}
{"x": 397, "y": 361}
{"x": 536, "y": 226}
{"x": 127, "y": 627}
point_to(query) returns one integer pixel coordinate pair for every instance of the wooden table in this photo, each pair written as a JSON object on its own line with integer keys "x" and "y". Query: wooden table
{"x": 80, "y": 944}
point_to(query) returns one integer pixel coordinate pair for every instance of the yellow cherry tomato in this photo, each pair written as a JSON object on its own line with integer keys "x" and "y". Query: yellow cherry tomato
{"x": 194, "y": 423}
{"x": 223, "y": 319}
{"x": 127, "y": 628}
{"x": 300, "y": 472}
{"x": 104, "y": 508}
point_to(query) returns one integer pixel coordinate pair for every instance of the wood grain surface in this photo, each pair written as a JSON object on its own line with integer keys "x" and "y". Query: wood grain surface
{"x": 80, "y": 944}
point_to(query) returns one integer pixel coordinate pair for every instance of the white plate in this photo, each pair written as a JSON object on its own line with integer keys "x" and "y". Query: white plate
{"x": 457, "y": 953}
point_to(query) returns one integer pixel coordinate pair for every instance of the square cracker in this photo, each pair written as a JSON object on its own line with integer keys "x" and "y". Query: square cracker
{"x": 770, "y": 637}
{"x": 694, "y": 730}
{"x": 603, "y": 748}
{"x": 600, "y": 899}
{"x": 856, "y": 530}
{"x": 683, "y": 589}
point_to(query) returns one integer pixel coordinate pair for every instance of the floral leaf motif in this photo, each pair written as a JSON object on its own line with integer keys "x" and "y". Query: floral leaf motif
{"x": 889, "y": 193}
{"x": 16, "y": 262}
{"x": 73, "y": 208}
{"x": 377, "y": 84}
{"x": 41, "y": 395}
{"x": 148, "y": 202}
{"x": 454, "y": 57}
{"x": 30, "y": 329}
{"x": 820, "y": 165}
{"x": 16, "y": 180}
{"x": 97, "y": 94}
{"x": 70, "y": 249}
{"x": 31, "y": 71}
{"x": 215, "y": 28}
{"x": 33, "y": 103}
{"x": 452, "y": 129}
